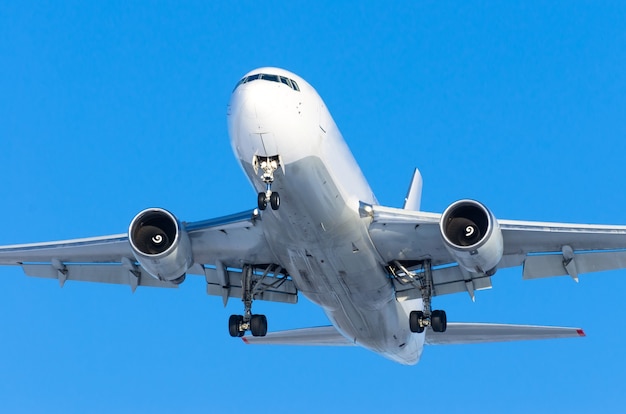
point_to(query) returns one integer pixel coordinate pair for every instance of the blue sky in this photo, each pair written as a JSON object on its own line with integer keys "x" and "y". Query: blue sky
{"x": 108, "y": 108}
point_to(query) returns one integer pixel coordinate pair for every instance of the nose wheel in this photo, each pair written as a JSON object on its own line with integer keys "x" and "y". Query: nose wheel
{"x": 268, "y": 165}
{"x": 273, "y": 198}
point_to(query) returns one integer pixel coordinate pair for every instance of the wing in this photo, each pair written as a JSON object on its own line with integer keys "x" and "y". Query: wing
{"x": 456, "y": 333}
{"x": 543, "y": 249}
{"x": 220, "y": 249}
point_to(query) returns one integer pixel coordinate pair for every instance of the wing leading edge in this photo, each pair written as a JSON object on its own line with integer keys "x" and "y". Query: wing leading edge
{"x": 544, "y": 249}
{"x": 222, "y": 247}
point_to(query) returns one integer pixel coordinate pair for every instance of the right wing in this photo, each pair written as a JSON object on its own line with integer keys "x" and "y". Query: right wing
{"x": 543, "y": 249}
{"x": 456, "y": 333}
{"x": 221, "y": 249}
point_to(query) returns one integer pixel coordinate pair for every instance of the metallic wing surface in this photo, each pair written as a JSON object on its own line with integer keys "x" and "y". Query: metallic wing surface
{"x": 219, "y": 247}
{"x": 543, "y": 249}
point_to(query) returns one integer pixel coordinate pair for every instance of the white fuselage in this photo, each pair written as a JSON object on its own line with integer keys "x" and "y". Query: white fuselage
{"x": 317, "y": 234}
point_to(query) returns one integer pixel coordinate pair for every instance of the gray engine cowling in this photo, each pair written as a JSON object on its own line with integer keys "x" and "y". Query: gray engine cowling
{"x": 472, "y": 235}
{"x": 160, "y": 244}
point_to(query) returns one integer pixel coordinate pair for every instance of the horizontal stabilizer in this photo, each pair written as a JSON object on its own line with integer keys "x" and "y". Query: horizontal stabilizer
{"x": 475, "y": 333}
{"x": 456, "y": 333}
{"x": 318, "y": 336}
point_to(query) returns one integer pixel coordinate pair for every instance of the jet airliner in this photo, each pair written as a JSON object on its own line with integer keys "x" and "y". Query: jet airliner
{"x": 317, "y": 230}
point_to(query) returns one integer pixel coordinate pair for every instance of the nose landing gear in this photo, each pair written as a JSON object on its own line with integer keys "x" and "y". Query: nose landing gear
{"x": 268, "y": 165}
{"x": 270, "y": 195}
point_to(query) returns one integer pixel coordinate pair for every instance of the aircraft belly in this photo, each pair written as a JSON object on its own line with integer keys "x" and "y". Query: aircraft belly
{"x": 325, "y": 246}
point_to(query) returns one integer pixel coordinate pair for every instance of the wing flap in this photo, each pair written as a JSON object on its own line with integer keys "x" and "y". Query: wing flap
{"x": 446, "y": 280}
{"x": 270, "y": 287}
{"x": 318, "y": 336}
{"x": 100, "y": 273}
{"x": 549, "y": 265}
{"x": 475, "y": 333}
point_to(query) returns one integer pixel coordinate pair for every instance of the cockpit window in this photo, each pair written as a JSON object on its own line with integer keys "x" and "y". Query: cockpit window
{"x": 272, "y": 78}
{"x": 268, "y": 77}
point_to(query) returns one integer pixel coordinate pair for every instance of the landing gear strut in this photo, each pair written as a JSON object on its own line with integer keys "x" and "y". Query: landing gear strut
{"x": 268, "y": 165}
{"x": 419, "y": 320}
{"x": 239, "y": 324}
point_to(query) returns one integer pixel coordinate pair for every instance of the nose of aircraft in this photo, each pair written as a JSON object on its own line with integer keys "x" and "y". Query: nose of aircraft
{"x": 258, "y": 100}
{"x": 254, "y": 117}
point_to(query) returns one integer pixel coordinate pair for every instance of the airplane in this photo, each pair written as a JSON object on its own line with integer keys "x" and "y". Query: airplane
{"x": 317, "y": 230}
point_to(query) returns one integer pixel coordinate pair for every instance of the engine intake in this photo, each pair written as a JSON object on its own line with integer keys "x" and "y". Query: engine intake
{"x": 160, "y": 244}
{"x": 472, "y": 235}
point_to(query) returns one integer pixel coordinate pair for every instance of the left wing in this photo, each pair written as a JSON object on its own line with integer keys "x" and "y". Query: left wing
{"x": 220, "y": 247}
{"x": 544, "y": 249}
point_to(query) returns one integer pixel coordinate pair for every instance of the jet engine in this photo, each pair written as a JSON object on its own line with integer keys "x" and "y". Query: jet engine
{"x": 472, "y": 235}
{"x": 160, "y": 244}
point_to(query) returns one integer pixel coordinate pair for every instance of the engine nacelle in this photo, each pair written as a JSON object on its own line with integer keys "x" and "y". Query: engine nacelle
{"x": 472, "y": 235}
{"x": 160, "y": 244}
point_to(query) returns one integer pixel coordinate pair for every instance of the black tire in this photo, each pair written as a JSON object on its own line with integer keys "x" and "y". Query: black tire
{"x": 234, "y": 322}
{"x": 258, "y": 325}
{"x": 439, "y": 321}
{"x": 275, "y": 201}
{"x": 262, "y": 201}
{"x": 415, "y": 317}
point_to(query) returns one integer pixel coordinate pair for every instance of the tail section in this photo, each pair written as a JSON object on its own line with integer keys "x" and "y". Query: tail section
{"x": 318, "y": 336}
{"x": 475, "y": 333}
{"x": 456, "y": 333}
{"x": 414, "y": 194}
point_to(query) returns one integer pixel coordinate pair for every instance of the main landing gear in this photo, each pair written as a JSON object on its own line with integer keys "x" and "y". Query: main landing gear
{"x": 239, "y": 324}
{"x": 268, "y": 165}
{"x": 419, "y": 320}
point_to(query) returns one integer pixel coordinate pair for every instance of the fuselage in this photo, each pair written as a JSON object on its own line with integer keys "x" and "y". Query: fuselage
{"x": 317, "y": 234}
